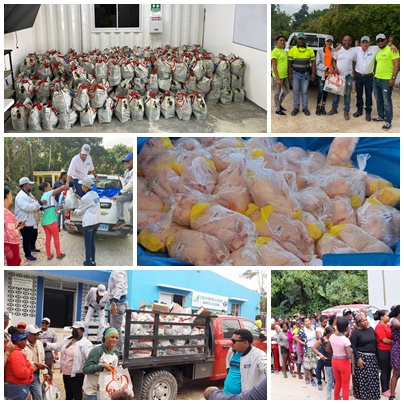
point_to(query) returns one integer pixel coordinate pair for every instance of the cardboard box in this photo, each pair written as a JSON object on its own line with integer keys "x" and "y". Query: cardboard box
{"x": 204, "y": 312}
{"x": 160, "y": 307}
{"x": 176, "y": 308}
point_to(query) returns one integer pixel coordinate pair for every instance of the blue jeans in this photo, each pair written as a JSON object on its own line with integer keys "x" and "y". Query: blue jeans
{"x": 320, "y": 365}
{"x": 91, "y": 397}
{"x": 16, "y": 391}
{"x": 347, "y": 96}
{"x": 383, "y": 99}
{"x": 89, "y": 242}
{"x": 329, "y": 378}
{"x": 36, "y": 388}
{"x": 321, "y": 94}
{"x": 366, "y": 82}
{"x": 300, "y": 84}
{"x": 77, "y": 187}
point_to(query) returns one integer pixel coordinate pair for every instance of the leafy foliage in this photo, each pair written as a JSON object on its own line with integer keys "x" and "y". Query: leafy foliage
{"x": 55, "y": 154}
{"x": 355, "y": 20}
{"x": 307, "y": 291}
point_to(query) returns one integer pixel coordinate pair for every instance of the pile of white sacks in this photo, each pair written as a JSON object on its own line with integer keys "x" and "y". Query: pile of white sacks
{"x": 55, "y": 90}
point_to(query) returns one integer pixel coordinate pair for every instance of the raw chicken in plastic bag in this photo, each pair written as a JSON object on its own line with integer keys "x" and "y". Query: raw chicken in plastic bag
{"x": 233, "y": 228}
{"x": 343, "y": 211}
{"x": 341, "y": 150}
{"x": 329, "y": 244}
{"x": 315, "y": 201}
{"x": 197, "y": 248}
{"x": 272, "y": 253}
{"x": 201, "y": 175}
{"x": 381, "y": 221}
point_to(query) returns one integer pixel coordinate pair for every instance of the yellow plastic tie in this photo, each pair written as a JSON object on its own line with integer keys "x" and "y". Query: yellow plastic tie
{"x": 315, "y": 231}
{"x": 355, "y": 201}
{"x": 257, "y": 153}
{"x": 196, "y": 211}
{"x": 297, "y": 215}
{"x": 252, "y": 207}
{"x": 167, "y": 142}
{"x": 210, "y": 163}
{"x": 150, "y": 242}
{"x": 263, "y": 240}
{"x": 336, "y": 229}
{"x": 170, "y": 240}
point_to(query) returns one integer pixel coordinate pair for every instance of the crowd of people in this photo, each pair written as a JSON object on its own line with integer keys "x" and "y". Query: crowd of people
{"x": 31, "y": 351}
{"x": 373, "y": 68}
{"x": 351, "y": 356}
{"x": 25, "y": 219}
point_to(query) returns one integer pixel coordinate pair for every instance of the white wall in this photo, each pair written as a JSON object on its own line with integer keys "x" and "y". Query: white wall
{"x": 384, "y": 298}
{"x": 218, "y": 38}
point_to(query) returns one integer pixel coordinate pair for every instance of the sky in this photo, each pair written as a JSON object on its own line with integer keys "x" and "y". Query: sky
{"x": 112, "y": 140}
{"x": 294, "y": 8}
{"x": 233, "y": 273}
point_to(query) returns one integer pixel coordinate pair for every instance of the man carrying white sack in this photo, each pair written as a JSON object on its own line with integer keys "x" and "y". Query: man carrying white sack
{"x": 126, "y": 193}
{"x": 96, "y": 300}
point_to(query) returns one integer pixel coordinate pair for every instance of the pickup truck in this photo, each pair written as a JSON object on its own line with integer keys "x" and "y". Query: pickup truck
{"x": 109, "y": 215}
{"x": 159, "y": 363}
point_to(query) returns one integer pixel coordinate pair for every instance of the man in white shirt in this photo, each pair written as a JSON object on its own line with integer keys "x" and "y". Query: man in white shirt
{"x": 344, "y": 63}
{"x": 80, "y": 166}
{"x": 126, "y": 193}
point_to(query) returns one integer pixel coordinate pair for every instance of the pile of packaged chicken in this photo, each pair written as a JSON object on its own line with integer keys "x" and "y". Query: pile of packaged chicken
{"x": 228, "y": 201}
{"x": 182, "y": 325}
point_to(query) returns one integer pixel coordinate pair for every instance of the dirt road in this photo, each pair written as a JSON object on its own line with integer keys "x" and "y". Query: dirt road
{"x": 110, "y": 251}
{"x": 295, "y": 389}
{"x": 330, "y": 124}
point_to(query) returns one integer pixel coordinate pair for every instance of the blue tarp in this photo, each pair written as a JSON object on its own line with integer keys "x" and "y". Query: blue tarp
{"x": 384, "y": 161}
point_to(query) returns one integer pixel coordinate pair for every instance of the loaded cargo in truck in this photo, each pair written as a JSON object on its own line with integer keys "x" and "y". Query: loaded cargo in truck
{"x": 161, "y": 354}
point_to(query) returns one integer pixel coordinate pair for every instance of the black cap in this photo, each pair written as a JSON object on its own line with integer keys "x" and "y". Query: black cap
{"x": 346, "y": 311}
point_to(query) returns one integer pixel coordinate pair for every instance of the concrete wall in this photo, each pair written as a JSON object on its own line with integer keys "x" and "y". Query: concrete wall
{"x": 218, "y": 38}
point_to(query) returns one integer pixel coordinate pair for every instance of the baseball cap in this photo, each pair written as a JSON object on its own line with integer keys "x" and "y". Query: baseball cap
{"x": 380, "y": 36}
{"x": 25, "y": 180}
{"x": 78, "y": 324}
{"x": 301, "y": 35}
{"x": 21, "y": 324}
{"x": 87, "y": 182}
{"x": 101, "y": 290}
{"x": 346, "y": 311}
{"x": 7, "y": 315}
{"x": 329, "y": 38}
{"x": 128, "y": 157}
{"x": 365, "y": 38}
{"x": 46, "y": 319}
{"x": 85, "y": 149}
{"x": 296, "y": 315}
{"x": 33, "y": 329}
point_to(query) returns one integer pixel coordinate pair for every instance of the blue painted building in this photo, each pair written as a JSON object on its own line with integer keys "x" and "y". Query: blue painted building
{"x": 59, "y": 294}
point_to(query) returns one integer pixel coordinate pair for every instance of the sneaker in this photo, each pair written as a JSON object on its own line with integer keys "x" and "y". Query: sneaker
{"x": 332, "y": 111}
{"x": 392, "y": 398}
{"x": 282, "y": 109}
{"x": 357, "y": 114}
{"x": 320, "y": 387}
{"x": 93, "y": 264}
{"x": 295, "y": 112}
{"x": 346, "y": 115}
{"x": 386, "y": 126}
{"x": 120, "y": 224}
{"x": 280, "y": 113}
{"x": 306, "y": 111}
{"x": 386, "y": 393}
{"x": 318, "y": 110}
{"x": 368, "y": 118}
{"x": 49, "y": 258}
{"x": 61, "y": 256}
{"x": 30, "y": 258}
{"x": 378, "y": 119}
{"x": 35, "y": 250}
{"x": 313, "y": 383}
{"x": 322, "y": 110}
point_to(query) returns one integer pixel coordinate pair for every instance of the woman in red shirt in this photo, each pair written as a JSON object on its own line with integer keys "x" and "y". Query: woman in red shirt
{"x": 384, "y": 340}
{"x": 18, "y": 372}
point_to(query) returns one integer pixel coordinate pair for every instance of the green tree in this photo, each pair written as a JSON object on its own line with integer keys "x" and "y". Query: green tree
{"x": 307, "y": 291}
{"x": 301, "y": 16}
{"x": 280, "y": 22}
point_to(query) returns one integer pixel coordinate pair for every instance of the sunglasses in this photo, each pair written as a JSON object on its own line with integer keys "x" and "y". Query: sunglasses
{"x": 380, "y": 40}
{"x": 44, "y": 322}
{"x": 237, "y": 340}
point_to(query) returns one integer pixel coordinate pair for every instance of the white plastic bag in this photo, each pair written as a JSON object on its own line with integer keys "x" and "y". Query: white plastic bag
{"x": 152, "y": 107}
{"x": 122, "y": 111}
{"x": 34, "y": 119}
{"x": 19, "y": 115}
{"x": 183, "y": 107}
{"x": 81, "y": 97}
{"x": 136, "y": 106}
{"x": 168, "y": 106}
{"x": 67, "y": 119}
{"x": 98, "y": 94}
{"x": 50, "y": 118}
{"x": 335, "y": 84}
{"x": 87, "y": 116}
{"x": 106, "y": 111}
{"x": 117, "y": 380}
{"x": 199, "y": 108}
{"x": 62, "y": 100}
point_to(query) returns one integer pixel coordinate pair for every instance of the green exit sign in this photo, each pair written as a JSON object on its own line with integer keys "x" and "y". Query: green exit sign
{"x": 155, "y": 8}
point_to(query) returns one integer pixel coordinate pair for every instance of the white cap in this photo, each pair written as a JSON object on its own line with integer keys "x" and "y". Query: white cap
{"x": 78, "y": 324}
{"x": 87, "y": 182}
{"x": 25, "y": 180}
{"x": 381, "y": 36}
{"x": 33, "y": 329}
{"x": 101, "y": 290}
{"x": 46, "y": 319}
{"x": 85, "y": 149}
{"x": 365, "y": 38}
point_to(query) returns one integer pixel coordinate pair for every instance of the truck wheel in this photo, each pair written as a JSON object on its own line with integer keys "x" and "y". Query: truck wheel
{"x": 159, "y": 385}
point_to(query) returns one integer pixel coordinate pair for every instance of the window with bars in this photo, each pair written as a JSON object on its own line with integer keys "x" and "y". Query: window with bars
{"x": 117, "y": 18}
{"x": 235, "y": 309}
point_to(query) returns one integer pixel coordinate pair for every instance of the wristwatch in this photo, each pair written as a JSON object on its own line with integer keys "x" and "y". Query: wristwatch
{"x": 393, "y": 77}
